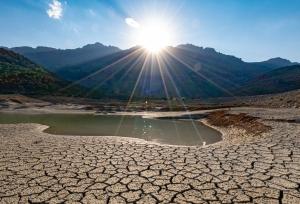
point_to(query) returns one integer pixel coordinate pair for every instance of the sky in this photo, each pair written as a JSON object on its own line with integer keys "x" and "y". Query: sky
{"x": 253, "y": 30}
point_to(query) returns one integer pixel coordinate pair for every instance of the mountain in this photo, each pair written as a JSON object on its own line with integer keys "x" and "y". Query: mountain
{"x": 116, "y": 75}
{"x": 183, "y": 71}
{"x": 52, "y": 59}
{"x": 186, "y": 70}
{"x": 276, "y": 63}
{"x": 224, "y": 69}
{"x": 276, "y": 81}
{"x": 20, "y": 75}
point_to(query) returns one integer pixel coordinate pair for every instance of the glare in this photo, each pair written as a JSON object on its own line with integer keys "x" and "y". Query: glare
{"x": 154, "y": 37}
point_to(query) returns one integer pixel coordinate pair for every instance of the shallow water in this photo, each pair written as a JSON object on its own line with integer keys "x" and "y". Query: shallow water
{"x": 167, "y": 131}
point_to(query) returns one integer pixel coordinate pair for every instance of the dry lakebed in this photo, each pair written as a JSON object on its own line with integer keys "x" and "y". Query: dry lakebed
{"x": 244, "y": 166}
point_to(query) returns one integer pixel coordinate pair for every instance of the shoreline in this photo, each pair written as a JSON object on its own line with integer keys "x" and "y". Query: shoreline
{"x": 148, "y": 115}
{"x": 226, "y": 133}
{"x": 234, "y": 134}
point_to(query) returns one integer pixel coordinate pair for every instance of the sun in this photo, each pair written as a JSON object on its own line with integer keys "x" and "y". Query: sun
{"x": 154, "y": 37}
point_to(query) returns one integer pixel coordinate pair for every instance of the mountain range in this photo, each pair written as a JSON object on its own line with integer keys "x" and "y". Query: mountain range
{"x": 182, "y": 71}
{"x": 53, "y": 58}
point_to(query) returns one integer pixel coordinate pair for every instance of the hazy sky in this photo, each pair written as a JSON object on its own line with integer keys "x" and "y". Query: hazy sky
{"x": 251, "y": 29}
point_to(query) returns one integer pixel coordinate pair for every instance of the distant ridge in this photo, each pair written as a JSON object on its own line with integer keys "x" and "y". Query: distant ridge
{"x": 276, "y": 81}
{"x": 52, "y": 58}
{"x": 276, "y": 62}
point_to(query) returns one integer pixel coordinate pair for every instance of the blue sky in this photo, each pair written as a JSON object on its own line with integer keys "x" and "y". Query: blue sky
{"x": 251, "y": 29}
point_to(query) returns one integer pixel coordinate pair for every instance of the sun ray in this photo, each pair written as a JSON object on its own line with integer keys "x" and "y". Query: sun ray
{"x": 119, "y": 70}
{"x": 183, "y": 104}
{"x": 200, "y": 75}
{"x": 132, "y": 94}
{"x": 99, "y": 70}
{"x": 212, "y": 70}
{"x": 163, "y": 79}
{"x": 134, "y": 65}
{"x": 166, "y": 92}
{"x": 211, "y": 81}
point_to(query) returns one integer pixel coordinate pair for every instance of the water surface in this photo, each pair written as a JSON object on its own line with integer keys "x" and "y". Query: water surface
{"x": 166, "y": 131}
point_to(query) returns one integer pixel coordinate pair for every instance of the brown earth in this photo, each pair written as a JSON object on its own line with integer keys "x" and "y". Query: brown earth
{"x": 251, "y": 124}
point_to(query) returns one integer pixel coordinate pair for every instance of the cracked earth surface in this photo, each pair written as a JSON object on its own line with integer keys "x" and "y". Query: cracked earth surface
{"x": 36, "y": 167}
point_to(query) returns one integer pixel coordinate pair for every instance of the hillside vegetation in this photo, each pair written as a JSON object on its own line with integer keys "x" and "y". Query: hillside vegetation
{"x": 22, "y": 76}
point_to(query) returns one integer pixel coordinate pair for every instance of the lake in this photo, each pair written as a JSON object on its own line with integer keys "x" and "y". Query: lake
{"x": 164, "y": 131}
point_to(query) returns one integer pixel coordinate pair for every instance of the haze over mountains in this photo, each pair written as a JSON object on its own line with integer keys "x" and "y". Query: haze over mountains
{"x": 182, "y": 71}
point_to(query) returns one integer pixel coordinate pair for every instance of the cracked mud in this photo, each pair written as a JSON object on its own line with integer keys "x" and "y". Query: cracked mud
{"x": 36, "y": 167}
